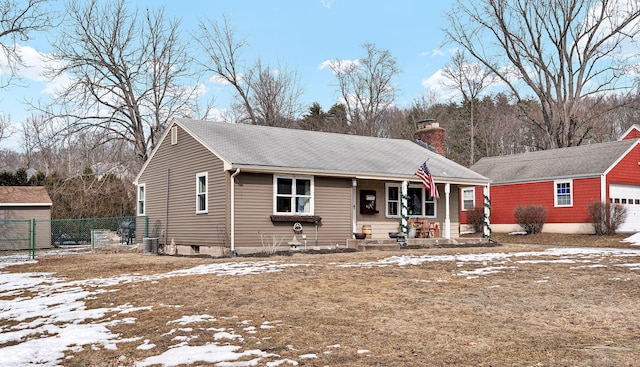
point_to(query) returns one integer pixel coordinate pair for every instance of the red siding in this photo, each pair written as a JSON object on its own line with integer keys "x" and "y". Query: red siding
{"x": 479, "y": 203}
{"x": 627, "y": 171}
{"x": 506, "y": 198}
{"x": 632, "y": 134}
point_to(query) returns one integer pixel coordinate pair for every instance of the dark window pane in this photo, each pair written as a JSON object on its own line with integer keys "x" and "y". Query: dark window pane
{"x": 283, "y": 205}
{"x": 393, "y": 193}
{"x": 303, "y": 187}
{"x": 414, "y": 203}
{"x": 285, "y": 186}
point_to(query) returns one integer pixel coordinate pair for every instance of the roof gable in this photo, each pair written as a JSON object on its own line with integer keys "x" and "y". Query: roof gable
{"x": 24, "y": 196}
{"x": 252, "y": 147}
{"x": 579, "y": 161}
{"x": 632, "y": 133}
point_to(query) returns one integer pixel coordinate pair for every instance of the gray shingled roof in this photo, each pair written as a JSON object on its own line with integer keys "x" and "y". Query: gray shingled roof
{"x": 255, "y": 147}
{"x": 580, "y": 161}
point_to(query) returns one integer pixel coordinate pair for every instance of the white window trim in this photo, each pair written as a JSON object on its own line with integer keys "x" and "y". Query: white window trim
{"x": 386, "y": 200}
{"x": 174, "y": 135}
{"x": 473, "y": 197}
{"x": 555, "y": 193}
{"x": 423, "y": 197}
{"x": 206, "y": 192}
{"x": 293, "y": 194}
{"x": 143, "y": 199}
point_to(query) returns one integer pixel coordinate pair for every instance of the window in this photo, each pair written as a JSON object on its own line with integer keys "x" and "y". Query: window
{"x": 393, "y": 201}
{"x": 563, "y": 193}
{"x": 174, "y": 135}
{"x": 419, "y": 202}
{"x": 293, "y": 195}
{"x": 202, "y": 193}
{"x": 141, "y": 193}
{"x": 468, "y": 198}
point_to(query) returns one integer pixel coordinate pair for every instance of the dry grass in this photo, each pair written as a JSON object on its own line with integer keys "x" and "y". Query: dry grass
{"x": 555, "y": 239}
{"x": 540, "y": 314}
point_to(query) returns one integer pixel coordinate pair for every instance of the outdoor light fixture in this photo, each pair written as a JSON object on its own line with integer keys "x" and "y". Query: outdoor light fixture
{"x": 354, "y": 182}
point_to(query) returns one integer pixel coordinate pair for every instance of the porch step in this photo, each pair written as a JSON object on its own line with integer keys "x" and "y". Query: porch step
{"x": 392, "y": 244}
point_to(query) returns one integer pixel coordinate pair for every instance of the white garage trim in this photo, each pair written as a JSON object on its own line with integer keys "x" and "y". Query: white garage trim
{"x": 629, "y": 196}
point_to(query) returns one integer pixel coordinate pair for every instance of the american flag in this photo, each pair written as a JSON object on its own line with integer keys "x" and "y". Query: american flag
{"x": 427, "y": 180}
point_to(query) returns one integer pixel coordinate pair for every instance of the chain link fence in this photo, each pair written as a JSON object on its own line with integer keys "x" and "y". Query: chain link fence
{"x": 31, "y": 234}
{"x": 16, "y": 235}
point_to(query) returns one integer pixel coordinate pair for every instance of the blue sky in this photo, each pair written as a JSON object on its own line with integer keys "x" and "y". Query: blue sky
{"x": 300, "y": 34}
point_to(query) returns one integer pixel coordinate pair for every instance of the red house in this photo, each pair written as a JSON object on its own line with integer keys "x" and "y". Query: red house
{"x": 565, "y": 181}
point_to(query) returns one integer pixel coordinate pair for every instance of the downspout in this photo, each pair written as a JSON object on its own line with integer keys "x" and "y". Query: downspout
{"x": 233, "y": 212}
{"x": 166, "y": 210}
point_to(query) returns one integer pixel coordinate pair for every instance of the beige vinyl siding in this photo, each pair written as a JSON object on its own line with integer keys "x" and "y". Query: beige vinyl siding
{"x": 42, "y": 215}
{"x": 179, "y": 163}
{"x": 254, "y": 207}
{"x": 333, "y": 204}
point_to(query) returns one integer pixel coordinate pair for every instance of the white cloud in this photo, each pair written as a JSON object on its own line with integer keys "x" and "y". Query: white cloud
{"x": 340, "y": 66}
{"x": 436, "y": 85}
{"x": 326, "y": 3}
{"x": 217, "y": 79}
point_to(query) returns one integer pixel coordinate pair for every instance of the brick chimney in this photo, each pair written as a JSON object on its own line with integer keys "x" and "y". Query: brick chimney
{"x": 431, "y": 134}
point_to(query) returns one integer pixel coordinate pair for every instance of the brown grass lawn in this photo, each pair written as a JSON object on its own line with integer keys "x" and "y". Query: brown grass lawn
{"x": 554, "y": 313}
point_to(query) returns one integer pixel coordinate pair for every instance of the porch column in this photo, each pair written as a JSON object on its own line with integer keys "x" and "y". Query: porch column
{"x": 447, "y": 212}
{"x": 486, "y": 227}
{"x": 404, "y": 209}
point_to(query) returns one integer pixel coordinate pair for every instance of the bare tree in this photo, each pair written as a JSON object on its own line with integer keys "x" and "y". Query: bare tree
{"x": 18, "y": 21}
{"x": 470, "y": 79}
{"x": 274, "y": 95}
{"x": 264, "y": 95}
{"x": 366, "y": 88}
{"x": 561, "y": 50}
{"x": 5, "y": 127}
{"x": 224, "y": 51}
{"x": 129, "y": 73}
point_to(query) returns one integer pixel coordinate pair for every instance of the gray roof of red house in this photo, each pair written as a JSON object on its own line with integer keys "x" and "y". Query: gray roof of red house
{"x": 580, "y": 161}
{"x": 24, "y": 196}
{"x": 253, "y": 147}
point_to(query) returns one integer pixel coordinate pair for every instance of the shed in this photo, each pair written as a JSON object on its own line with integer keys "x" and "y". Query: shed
{"x": 18, "y": 205}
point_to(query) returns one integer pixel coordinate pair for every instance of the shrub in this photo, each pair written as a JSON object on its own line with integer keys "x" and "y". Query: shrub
{"x": 606, "y": 217}
{"x": 475, "y": 217}
{"x": 531, "y": 218}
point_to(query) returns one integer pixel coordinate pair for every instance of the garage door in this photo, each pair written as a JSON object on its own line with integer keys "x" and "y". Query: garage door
{"x": 629, "y": 196}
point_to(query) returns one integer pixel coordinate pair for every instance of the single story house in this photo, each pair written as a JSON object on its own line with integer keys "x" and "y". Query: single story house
{"x": 565, "y": 181}
{"x": 219, "y": 188}
{"x": 18, "y": 205}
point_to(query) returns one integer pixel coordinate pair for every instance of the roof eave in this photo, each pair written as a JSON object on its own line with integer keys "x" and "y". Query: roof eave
{"x": 356, "y": 175}
{"x": 545, "y": 179}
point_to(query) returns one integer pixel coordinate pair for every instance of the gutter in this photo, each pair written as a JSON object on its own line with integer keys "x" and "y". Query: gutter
{"x": 233, "y": 212}
{"x": 357, "y": 175}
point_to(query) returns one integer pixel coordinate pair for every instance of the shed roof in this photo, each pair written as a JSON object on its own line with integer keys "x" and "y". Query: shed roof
{"x": 24, "y": 196}
{"x": 579, "y": 161}
{"x": 263, "y": 148}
